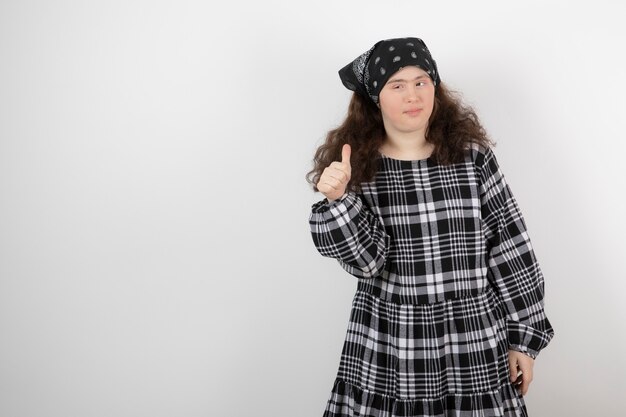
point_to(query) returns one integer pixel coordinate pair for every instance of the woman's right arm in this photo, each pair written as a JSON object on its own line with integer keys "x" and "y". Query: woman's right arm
{"x": 345, "y": 229}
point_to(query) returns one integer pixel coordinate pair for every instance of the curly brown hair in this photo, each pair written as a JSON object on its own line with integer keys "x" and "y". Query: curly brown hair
{"x": 451, "y": 127}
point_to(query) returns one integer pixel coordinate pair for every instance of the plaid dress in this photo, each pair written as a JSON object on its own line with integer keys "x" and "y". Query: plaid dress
{"x": 447, "y": 282}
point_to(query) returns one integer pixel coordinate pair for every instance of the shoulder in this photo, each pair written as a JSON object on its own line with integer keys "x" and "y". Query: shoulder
{"x": 481, "y": 155}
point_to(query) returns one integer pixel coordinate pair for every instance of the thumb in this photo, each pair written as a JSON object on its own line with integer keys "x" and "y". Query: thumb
{"x": 345, "y": 154}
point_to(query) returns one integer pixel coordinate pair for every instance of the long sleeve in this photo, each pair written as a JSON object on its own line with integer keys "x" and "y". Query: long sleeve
{"x": 348, "y": 231}
{"x": 513, "y": 266}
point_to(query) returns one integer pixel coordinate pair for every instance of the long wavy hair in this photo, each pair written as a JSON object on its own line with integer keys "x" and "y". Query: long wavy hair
{"x": 451, "y": 127}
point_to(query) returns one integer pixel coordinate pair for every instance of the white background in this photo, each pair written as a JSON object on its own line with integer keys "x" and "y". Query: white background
{"x": 155, "y": 253}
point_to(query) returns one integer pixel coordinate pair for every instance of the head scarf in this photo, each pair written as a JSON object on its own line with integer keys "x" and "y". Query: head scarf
{"x": 369, "y": 72}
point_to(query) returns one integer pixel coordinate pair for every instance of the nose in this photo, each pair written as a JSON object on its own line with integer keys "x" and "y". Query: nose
{"x": 411, "y": 94}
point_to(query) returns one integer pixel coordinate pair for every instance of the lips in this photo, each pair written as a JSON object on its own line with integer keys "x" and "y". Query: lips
{"x": 413, "y": 111}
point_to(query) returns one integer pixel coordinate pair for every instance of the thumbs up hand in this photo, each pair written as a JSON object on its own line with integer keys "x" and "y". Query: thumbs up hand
{"x": 336, "y": 176}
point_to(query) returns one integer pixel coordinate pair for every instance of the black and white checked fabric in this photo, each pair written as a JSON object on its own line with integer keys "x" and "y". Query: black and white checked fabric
{"x": 447, "y": 282}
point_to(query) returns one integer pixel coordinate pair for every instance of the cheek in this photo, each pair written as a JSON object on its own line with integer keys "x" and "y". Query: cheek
{"x": 386, "y": 108}
{"x": 390, "y": 106}
{"x": 394, "y": 112}
{"x": 429, "y": 102}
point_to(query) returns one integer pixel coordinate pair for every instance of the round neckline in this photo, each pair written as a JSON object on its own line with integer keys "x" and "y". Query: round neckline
{"x": 403, "y": 160}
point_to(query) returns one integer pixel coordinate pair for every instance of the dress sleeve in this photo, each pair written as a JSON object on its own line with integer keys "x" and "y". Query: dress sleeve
{"x": 513, "y": 267}
{"x": 348, "y": 231}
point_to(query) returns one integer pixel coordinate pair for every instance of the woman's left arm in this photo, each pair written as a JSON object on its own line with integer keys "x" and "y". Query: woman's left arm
{"x": 513, "y": 266}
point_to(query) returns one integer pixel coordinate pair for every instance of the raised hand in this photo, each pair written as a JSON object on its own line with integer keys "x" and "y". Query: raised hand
{"x": 336, "y": 176}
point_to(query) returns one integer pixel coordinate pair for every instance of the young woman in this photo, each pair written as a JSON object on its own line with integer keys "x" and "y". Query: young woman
{"x": 448, "y": 316}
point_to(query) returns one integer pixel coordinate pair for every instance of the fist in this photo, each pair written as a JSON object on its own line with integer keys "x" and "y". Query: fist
{"x": 336, "y": 176}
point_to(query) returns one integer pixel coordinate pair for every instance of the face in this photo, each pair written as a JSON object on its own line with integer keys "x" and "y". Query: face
{"x": 408, "y": 89}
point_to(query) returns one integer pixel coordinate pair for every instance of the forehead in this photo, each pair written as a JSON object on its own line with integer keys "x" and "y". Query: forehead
{"x": 408, "y": 73}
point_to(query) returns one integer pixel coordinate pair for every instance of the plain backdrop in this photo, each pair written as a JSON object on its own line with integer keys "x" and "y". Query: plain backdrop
{"x": 155, "y": 252}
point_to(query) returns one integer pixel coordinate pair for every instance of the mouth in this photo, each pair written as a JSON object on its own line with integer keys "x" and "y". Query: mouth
{"x": 413, "y": 112}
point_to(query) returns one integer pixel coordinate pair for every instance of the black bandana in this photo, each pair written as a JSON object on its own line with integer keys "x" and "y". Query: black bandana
{"x": 369, "y": 72}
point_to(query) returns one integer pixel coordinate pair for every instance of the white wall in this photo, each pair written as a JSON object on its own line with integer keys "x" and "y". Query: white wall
{"x": 155, "y": 255}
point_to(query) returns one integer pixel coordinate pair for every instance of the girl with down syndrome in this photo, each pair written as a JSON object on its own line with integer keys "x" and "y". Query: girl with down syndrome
{"x": 448, "y": 316}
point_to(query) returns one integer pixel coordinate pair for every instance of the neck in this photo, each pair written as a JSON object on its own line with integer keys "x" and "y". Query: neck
{"x": 407, "y": 146}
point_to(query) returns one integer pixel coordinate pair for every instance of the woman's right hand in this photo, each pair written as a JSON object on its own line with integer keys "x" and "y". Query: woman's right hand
{"x": 336, "y": 176}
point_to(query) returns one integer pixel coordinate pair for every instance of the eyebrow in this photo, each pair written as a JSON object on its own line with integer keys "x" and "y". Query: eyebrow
{"x": 397, "y": 80}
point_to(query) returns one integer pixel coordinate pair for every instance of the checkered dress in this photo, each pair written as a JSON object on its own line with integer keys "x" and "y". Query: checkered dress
{"x": 447, "y": 282}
